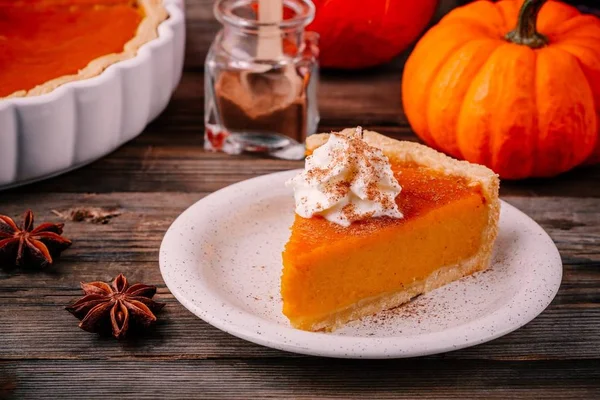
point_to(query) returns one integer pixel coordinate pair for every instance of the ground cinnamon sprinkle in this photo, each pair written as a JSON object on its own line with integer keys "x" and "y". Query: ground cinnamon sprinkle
{"x": 349, "y": 211}
{"x": 316, "y": 173}
{"x": 372, "y": 191}
{"x": 338, "y": 190}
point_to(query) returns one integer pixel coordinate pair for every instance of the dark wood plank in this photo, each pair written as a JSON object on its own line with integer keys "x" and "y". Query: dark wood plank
{"x": 201, "y": 28}
{"x": 182, "y": 166}
{"x": 308, "y": 378}
{"x": 35, "y": 326}
{"x": 574, "y": 223}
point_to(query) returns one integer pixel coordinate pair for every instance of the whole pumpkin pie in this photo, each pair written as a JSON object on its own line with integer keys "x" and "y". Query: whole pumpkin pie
{"x": 47, "y": 43}
{"x": 378, "y": 222}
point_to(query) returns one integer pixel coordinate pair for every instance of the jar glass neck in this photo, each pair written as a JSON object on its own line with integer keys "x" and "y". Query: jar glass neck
{"x": 245, "y": 36}
{"x": 244, "y": 14}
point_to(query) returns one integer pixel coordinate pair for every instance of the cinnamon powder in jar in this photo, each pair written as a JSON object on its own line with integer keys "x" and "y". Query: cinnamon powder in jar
{"x": 271, "y": 102}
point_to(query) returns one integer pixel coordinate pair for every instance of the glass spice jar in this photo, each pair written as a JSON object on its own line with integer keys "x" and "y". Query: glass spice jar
{"x": 261, "y": 80}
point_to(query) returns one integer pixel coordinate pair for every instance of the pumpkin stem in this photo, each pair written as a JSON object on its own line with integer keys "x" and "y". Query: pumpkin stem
{"x": 526, "y": 31}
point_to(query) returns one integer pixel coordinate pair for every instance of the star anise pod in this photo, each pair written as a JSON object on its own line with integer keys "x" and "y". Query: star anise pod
{"x": 115, "y": 306}
{"x": 25, "y": 246}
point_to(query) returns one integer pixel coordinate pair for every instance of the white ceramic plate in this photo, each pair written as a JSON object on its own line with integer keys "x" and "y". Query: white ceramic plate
{"x": 222, "y": 260}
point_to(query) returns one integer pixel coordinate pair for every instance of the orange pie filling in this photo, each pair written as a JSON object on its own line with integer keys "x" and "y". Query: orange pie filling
{"x": 43, "y": 40}
{"x": 329, "y": 269}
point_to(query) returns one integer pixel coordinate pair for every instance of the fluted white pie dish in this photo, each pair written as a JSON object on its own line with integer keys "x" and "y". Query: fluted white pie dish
{"x": 81, "y": 121}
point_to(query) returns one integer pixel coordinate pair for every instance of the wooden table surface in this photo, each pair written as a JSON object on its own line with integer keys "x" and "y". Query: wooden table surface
{"x": 43, "y": 354}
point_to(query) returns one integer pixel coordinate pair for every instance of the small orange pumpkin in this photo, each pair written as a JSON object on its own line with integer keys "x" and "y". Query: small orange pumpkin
{"x": 524, "y": 102}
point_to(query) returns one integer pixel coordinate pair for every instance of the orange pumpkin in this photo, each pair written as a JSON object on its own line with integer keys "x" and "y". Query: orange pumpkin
{"x": 357, "y": 33}
{"x": 514, "y": 85}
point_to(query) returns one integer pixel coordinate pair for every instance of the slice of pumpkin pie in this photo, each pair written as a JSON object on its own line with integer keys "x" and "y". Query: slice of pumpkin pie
{"x": 378, "y": 222}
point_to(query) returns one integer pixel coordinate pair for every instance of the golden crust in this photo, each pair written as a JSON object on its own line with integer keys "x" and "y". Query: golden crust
{"x": 414, "y": 153}
{"x": 154, "y": 14}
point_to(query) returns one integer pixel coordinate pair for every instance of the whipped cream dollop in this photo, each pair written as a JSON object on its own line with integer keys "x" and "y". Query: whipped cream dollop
{"x": 346, "y": 180}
